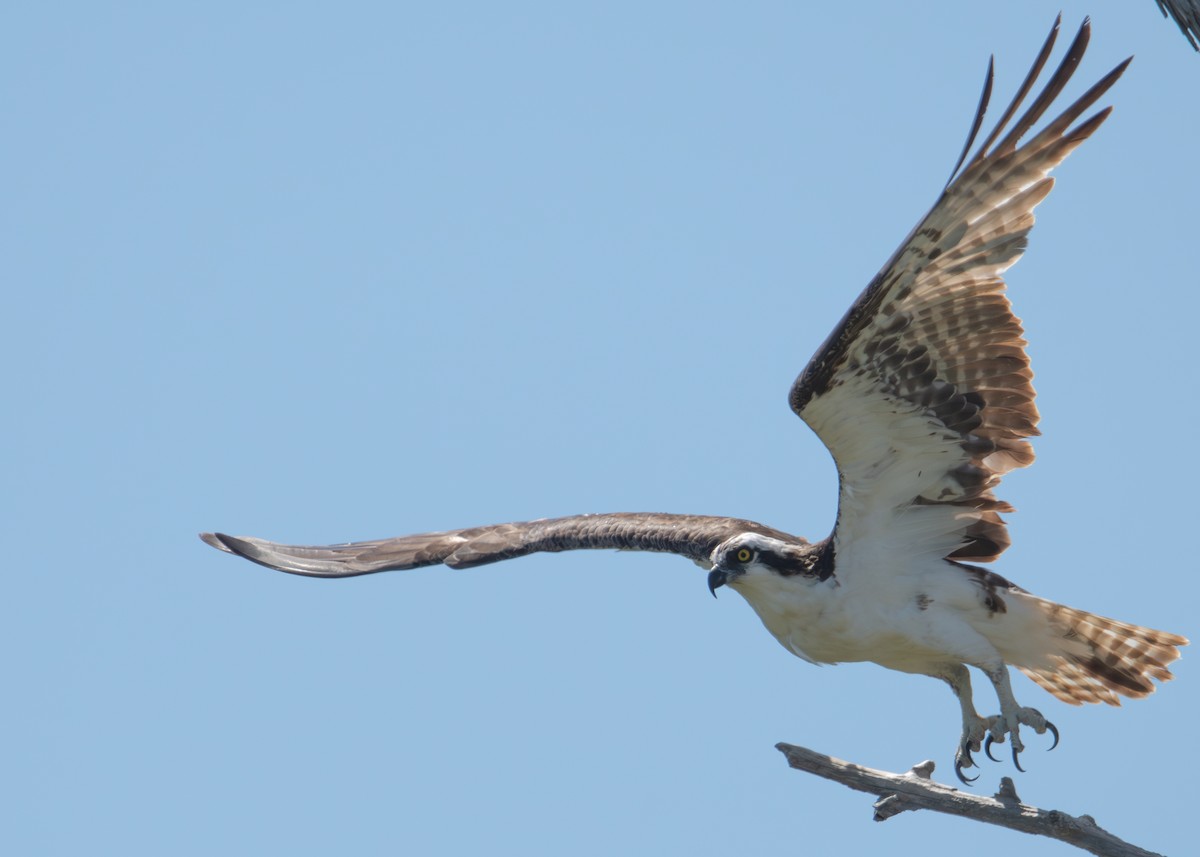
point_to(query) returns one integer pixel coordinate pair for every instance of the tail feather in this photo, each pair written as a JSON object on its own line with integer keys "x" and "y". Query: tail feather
{"x": 1102, "y": 659}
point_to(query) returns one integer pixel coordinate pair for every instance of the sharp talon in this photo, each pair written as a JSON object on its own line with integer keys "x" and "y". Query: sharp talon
{"x": 966, "y": 781}
{"x": 1053, "y": 731}
{"x": 1016, "y": 762}
{"x": 987, "y": 749}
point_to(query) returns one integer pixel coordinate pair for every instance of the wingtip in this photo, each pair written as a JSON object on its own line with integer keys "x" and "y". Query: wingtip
{"x": 1057, "y": 25}
{"x": 215, "y": 540}
{"x": 292, "y": 559}
{"x": 231, "y": 544}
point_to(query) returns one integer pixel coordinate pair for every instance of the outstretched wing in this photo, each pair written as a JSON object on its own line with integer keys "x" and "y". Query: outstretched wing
{"x": 922, "y": 393}
{"x": 692, "y": 536}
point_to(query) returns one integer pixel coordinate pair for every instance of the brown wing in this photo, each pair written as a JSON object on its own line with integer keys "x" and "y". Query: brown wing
{"x": 922, "y": 393}
{"x": 692, "y": 536}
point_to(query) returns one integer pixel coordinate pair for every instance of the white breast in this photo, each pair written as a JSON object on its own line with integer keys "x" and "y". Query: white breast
{"x": 918, "y": 615}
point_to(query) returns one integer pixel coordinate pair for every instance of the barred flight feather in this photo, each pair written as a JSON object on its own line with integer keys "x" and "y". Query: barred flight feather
{"x": 1115, "y": 659}
{"x": 934, "y": 336}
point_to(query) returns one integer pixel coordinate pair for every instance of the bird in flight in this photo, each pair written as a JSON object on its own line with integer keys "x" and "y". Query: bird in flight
{"x": 923, "y": 396}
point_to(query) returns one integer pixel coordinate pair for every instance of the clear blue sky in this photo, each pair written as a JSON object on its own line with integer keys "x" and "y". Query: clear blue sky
{"x": 326, "y": 275}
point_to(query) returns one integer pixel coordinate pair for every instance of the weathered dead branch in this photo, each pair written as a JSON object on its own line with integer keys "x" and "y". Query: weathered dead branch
{"x": 915, "y": 790}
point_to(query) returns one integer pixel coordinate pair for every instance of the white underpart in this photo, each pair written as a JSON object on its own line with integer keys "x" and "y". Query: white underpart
{"x": 890, "y": 453}
{"x": 926, "y": 615}
{"x": 833, "y": 621}
{"x": 894, "y": 600}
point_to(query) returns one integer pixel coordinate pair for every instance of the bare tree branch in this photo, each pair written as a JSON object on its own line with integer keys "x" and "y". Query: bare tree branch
{"x": 915, "y": 790}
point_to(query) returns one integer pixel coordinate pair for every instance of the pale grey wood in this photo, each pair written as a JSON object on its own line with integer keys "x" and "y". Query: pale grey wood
{"x": 916, "y": 790}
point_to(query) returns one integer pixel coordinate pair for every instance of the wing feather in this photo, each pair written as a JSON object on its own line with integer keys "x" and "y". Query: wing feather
{"x": 923, "y": 393}
{"x": 1186, "y": 14}
{"x": 691, "y": 536}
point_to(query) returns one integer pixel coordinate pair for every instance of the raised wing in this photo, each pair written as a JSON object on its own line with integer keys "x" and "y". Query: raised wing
{"x": 922, "y": 393}
{"x": 1185, "y": 13}
{"x": 692, "y": 536}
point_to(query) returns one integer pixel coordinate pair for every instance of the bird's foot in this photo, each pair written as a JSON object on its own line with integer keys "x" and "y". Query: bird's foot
{"x": 975, "y": 730}
{"x": 1009, "y": 725}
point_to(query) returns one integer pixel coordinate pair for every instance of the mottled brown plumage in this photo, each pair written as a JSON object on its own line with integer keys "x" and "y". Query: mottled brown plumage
{"x": 1121, "y": 659}
{"x": 934, "y": 331}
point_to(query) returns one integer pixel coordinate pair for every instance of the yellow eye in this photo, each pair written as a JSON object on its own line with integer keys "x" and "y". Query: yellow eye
{"x": 744, "y": 555}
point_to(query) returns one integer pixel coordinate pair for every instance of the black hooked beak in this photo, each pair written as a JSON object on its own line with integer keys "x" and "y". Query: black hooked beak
{"x": 716, "y": 579}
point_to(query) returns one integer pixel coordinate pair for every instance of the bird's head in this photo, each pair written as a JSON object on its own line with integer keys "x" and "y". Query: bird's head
{"x": 748, "y": 557}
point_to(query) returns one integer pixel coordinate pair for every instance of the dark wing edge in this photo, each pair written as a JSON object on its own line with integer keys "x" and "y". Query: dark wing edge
{"x": 691, "y": 536}
{"x": 933, "y": 332}
{"x": 1186, "y": 14}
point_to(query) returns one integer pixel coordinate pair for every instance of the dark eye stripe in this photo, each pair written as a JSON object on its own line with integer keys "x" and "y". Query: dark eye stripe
{"x": 783, "y": 565}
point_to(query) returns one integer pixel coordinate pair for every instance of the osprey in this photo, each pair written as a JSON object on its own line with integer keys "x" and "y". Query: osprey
{"x": 922, "y": 394}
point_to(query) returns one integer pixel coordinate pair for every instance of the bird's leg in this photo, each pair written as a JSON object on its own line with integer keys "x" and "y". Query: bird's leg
{"x": 975, "y": 728}
{"x": 1012, "y": 716}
